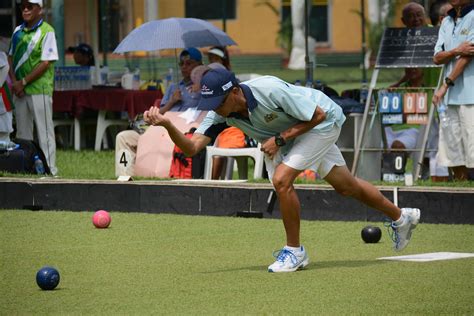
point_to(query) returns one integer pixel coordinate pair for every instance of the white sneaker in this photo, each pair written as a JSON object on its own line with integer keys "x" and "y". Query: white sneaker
{"x": 402, "y": 233}
{"x": 289, "y": 261}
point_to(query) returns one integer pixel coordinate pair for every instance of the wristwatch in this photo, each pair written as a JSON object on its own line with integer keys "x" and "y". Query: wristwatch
{"x": 279, "y": 141}
{"x": 24, "y": 82}
{"x": 449, "y": 82}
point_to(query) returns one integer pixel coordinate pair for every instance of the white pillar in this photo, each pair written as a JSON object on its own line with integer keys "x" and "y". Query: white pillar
{"x": 298, "y": 50}
{"x": 151, "y": 10}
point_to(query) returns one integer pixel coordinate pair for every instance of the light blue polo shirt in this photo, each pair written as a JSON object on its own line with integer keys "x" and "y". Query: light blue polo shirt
{"x": 451, "y": 35}
{"x": 189, "y": 99}
{"x": 274, "y": 106}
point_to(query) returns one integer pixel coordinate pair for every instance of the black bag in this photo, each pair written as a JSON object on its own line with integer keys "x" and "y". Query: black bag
{"x": 13, "y": 161}
{"x": 349, "y": 105}
{"x": 21, "y": 160}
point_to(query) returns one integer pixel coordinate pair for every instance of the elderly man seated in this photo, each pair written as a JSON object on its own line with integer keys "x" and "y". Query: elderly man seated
{"x": 178, "y": 97}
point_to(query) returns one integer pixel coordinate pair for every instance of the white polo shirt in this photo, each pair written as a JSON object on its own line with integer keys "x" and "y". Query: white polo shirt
{"x": 274, "y": 106}
{"x": 451, "y": 34}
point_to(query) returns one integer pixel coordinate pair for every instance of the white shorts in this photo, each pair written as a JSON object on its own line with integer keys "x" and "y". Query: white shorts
{"x": 316, "y": 151}
{"x": 456, "y": 141}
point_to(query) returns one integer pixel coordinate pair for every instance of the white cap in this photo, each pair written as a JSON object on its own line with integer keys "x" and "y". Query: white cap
{"x": 38, "y": 2}
{"x": 217, "y": 52}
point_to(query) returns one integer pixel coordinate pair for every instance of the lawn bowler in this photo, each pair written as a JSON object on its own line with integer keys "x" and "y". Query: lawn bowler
{"x": 297, "y": 128}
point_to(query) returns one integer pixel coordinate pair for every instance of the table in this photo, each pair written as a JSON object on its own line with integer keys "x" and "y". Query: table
{"x": 103, "y": 100}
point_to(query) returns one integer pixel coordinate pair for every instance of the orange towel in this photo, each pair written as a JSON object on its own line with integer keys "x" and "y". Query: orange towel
{"x": 231, "y": 137}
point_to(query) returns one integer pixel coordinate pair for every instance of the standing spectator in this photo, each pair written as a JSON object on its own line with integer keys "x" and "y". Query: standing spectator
{"x": 455, "y": 49}
{"x": 83, "y": 55}
{"x": 178, "y": 97}
{"x": 439, "y": 173}
{"x": 32, "y": 54}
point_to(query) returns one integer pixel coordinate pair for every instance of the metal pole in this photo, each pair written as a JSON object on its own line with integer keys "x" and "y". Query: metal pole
{"x": 427, "y": 130}
{"x": 104, "y": 29}
{"x": 364, "y": 43}
{"x": 359, "y": 147}
{"x": 57, "y": 7}
{"x": 224, "y": 15}
{"x": 308, "y": 64}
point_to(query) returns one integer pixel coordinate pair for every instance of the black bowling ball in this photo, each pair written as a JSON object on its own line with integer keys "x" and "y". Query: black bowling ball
{"x": 371, "y": 234}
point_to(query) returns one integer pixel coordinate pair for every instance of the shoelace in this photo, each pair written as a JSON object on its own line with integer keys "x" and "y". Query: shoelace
{"x": 282, "y": 254}
{"x": 391, "y": 230}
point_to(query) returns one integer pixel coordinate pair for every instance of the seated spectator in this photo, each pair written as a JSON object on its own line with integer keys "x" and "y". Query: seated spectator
{"x": 413, "y": 15}
{"x": 83, "y": 55}
{"x": 219, "y": 54}
{"x": 178, "y": 97}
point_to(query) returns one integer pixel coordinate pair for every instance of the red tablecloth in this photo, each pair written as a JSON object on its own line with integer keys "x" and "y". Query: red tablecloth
{"x": 132, "y": 101}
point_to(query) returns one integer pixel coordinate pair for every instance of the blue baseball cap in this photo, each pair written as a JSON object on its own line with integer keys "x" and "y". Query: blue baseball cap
{"x": 215, "y": 84}
{"x": 190, "y": 53}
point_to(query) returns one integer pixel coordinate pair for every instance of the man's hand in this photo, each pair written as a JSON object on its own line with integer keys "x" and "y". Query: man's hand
{"x": 18, "y": 88}
{"x": 465, "y": 49}
{"x": 153, "y": 117}
{"x": 439, "y": 94}
{"x": 176, "y": 97}
{"x": 269, "y": 147}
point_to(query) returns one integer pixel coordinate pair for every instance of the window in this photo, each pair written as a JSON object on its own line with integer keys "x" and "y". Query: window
{"x": 8, "y": 20}
{"x": 210, "y": 9}
{"x": 109, "y": 25}
{"x": 318, "y": 19}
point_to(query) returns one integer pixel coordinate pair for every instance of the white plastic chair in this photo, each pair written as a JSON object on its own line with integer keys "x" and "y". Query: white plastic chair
{"x": 75, "y": 129}
{"x": 240, "y": 155}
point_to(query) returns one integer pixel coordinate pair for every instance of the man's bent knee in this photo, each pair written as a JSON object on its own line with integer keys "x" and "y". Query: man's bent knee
{"x": 281, "y": 184}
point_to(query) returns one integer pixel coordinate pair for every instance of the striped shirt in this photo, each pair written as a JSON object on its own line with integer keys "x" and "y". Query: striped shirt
{"x": 28, "y": 48}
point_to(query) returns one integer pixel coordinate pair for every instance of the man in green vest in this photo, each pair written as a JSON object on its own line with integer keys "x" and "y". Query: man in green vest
{"x": 32, "y": 54}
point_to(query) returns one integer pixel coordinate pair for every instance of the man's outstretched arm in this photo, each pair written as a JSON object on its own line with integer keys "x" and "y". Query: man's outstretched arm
{"x": 190, "y": 147}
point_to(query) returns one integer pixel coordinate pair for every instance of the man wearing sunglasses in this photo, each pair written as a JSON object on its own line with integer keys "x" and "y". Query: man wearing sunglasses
{"x": 298, "y": 128}
{"x": 181, "y": 96}
{"x": 32, "y": 54}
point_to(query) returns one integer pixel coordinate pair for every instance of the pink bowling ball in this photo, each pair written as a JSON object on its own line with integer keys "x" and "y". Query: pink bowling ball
{"x": 101, "y": 219}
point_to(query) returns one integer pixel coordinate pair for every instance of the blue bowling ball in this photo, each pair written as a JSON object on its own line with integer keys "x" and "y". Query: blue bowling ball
{"x": 47, "y": 278}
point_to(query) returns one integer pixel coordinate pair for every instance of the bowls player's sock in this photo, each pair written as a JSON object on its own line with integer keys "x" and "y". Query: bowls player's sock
{"x": 294, "y": 249}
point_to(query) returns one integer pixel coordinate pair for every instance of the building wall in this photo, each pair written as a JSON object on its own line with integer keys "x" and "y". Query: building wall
{"x": 76, "y": 22}
{"x": 346, "y": 26}
{"x": 255, "y": 28}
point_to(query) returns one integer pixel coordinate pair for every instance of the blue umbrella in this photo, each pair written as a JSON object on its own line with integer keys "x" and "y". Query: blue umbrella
{"x": 173, "y": 33}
